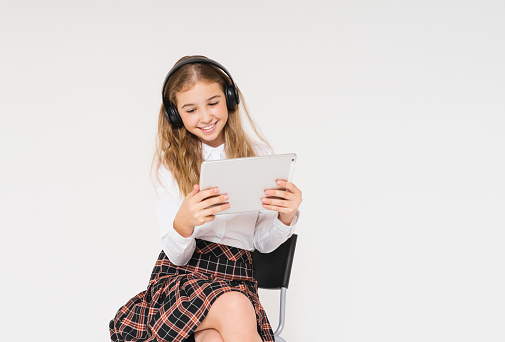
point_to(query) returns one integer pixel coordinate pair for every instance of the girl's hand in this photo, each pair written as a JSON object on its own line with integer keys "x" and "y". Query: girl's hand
{"x": 286, "y": 203}
{"x": 195, "y": 211}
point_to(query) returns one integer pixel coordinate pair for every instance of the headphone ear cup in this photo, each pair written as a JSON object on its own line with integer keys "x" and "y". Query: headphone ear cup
{"x": 232, "y": 98}
{"x": 172, "y": 115}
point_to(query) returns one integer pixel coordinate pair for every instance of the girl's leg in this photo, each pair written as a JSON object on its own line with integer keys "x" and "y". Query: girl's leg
{"x": 208, "y": 335}
{"x": 232, "y": 316}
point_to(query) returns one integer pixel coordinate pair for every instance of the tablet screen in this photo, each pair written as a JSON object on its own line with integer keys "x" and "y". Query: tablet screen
{"x": 246, "y": 179}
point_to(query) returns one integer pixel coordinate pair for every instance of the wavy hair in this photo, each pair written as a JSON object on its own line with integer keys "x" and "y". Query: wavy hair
{"x": 180, "y": 151}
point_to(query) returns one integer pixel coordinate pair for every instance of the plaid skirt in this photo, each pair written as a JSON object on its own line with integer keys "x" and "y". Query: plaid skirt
{"x": 178, "y": 298}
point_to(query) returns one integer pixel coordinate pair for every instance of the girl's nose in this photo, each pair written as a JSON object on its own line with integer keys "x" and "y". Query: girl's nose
{"x": 205, "y": 117}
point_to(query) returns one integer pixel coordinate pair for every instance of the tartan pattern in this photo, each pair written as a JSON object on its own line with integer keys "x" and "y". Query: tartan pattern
{"x": 178, "y": 298}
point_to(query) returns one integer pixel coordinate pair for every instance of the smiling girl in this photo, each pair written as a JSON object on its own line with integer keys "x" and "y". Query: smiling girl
{"x": 202, "y": 287}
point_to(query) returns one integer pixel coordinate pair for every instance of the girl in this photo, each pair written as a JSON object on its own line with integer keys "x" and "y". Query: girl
{"x": 202, "y": 287}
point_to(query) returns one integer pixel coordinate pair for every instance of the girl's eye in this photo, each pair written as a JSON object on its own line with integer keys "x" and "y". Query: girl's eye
{"x": 213, "y": 103}
{"x": 189, "y": 111}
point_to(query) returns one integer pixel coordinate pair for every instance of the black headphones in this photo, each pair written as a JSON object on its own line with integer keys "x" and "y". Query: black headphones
{"x": 230, "y": 90}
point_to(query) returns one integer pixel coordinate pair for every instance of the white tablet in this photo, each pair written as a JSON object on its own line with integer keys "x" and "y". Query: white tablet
{"x": 246, "y": 179}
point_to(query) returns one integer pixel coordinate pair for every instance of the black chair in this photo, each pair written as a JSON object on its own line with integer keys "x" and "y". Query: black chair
{"x": 272, "y": 271}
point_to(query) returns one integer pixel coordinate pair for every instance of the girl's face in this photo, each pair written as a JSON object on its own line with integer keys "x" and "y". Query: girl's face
{"x": 203, "y": 112}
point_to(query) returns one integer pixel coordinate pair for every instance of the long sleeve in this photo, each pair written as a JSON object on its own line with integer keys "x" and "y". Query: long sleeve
{"x": 270, "y": 232}
{"x": 177, "y": 248}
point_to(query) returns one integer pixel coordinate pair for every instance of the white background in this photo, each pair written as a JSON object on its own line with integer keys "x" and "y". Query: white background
{"x": 395, "y": 109}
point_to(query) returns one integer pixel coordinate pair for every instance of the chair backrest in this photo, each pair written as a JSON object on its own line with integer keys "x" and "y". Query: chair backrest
{"x": 272, "y": 270}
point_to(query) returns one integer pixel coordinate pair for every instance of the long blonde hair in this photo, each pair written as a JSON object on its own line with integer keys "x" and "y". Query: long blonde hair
{"x": 180, "y": 151}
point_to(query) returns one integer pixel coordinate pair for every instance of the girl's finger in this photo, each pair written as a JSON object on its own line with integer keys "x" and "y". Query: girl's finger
{"x": 202, "y": 195}
{"x": 276, "y": 202}
{"x": 211, "y": 211}
{"x": 196, "y": 188}
{"x": 213, "y": 200}
{"x": 278, "y": 209}
{"x": 288, "y": 185}
{"x": 280, "y": 193}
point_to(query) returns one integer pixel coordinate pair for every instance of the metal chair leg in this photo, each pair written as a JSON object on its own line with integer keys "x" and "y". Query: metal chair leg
{"x": 282, "y": 316}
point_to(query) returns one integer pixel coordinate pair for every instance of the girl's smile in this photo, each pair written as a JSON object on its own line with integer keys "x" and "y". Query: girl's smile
{"x": 209, "y": 128}
{"x": 203, "y": 112}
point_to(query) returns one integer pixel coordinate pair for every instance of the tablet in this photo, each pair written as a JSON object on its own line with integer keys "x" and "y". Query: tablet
{"x": 246, "y": 179}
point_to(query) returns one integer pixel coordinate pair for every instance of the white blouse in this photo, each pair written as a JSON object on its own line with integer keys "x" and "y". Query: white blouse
{"x": 261, "y": 230}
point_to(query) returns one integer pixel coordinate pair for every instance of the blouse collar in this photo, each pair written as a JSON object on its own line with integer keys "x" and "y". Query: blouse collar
{"x": 213, "y": 153}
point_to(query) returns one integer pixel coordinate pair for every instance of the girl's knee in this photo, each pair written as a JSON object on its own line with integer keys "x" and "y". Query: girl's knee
{"x": 236, "y": 307}
{"x": 208, "y": 335}
{"x": 232, "y": 315}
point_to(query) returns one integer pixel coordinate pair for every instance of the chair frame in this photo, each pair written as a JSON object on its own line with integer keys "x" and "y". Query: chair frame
{"x": 273, "y": 271}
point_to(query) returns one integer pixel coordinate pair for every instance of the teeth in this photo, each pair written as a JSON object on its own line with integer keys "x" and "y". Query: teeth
{"x": 208, "y": 127}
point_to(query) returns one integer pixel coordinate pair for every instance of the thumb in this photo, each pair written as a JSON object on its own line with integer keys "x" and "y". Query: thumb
{"x": 196, "y": 189}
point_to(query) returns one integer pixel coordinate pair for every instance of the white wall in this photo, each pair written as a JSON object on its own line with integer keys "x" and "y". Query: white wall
{"x": 394, "y": 108}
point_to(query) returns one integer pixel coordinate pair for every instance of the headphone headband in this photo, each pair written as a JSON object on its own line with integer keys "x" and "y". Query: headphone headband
{"x": 231, "y": 92}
